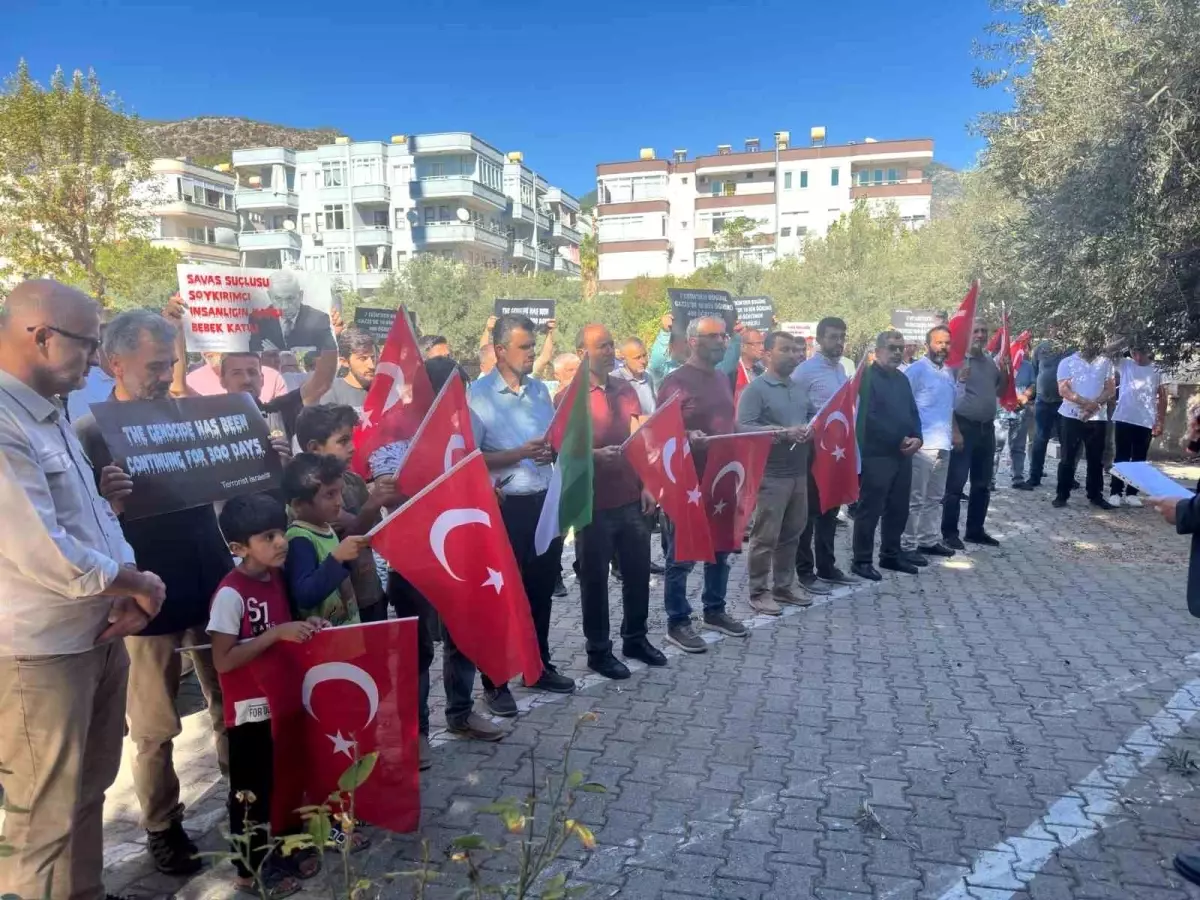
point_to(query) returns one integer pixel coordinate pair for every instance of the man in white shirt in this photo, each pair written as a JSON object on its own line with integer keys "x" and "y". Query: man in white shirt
{"x": 1138, "y": 418}
{"x": 69, "y": 590}
{"x": 1086, "y": 383}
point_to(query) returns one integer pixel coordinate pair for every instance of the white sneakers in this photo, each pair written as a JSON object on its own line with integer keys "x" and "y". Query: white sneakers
{"x": 1131, "y": 502}
{"x": 1116, "y": 499}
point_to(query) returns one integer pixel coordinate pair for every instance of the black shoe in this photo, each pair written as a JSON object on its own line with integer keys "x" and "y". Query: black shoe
{"x": 1075, "y": 485}
{"x": 1187, "y": 864}
{"x": 500, "y": 702}
{"x": 953, "y": 541}
{"x": 992, "y": 487}
{"x": 936, "y": 550}
{"x": 835, "y": 576}
{"x": 642, "y": 649}
{"x": 173, "y": 851}
{"x": 1101, "y": 503}
{"x": 981, "y": 537}
{"x": 560, "y": 589}
{"x": 616, "y": 573}
{"x": 914, "y": 559}
{"x": 608, "y": 666}
{"x": 899, "y": 565}
{"x": 867, "y": 571}
{"x": 656, "y": 569}
{"x": 554, "y": 683}
{"x": 1024, "y": 486}
{"x": 1058, "y": 502}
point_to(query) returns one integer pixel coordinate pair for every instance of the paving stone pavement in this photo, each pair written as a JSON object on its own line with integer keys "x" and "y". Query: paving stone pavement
{"x": 1017, "y": 722}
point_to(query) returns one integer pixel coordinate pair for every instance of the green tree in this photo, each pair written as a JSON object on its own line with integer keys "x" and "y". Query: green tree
{"x": 136, "y": 274}
{"x": 70, "y": 159}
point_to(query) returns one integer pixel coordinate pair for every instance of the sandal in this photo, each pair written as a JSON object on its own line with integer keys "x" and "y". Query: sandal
{"x": 358, "y": 841}
{"x": 278, "y": 884}
{"x": 304, "y": 864}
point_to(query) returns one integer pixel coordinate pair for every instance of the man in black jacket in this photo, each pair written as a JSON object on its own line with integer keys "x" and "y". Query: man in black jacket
{"x": 889, "y": 428}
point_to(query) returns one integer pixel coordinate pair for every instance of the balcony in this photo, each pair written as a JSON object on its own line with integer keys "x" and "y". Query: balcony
{"x": 525, "y": 213}
{"x": 263, "y": 156}
{"x": 454, "y": 186}
{"x": 213, "y": 215}
{"x": 525, "y": 252}
{"x": 459, "y": 142}
{"x": 371, "y": 280}
{"x": 198, "y": 251}
{"x": 558, "y": 195}
{"x": 445, "y": 233}
{"x": 373, "y": 236}
{"x": 900, "y": 187}
{"x": 565, "y": 266}
{"x": 256, "y": 199}
{"x": 281, "y": 239}
{"x": 564, "y": 233}
{"x": 372, "y": 193}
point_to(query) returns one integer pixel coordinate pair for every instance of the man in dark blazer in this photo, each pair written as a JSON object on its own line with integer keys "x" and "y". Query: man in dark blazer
{"x": 288, "y": 322}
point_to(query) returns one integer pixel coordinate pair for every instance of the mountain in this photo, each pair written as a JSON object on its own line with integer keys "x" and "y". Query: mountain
{"x": 947, "y": 186}
{"x": 210, "y": 140}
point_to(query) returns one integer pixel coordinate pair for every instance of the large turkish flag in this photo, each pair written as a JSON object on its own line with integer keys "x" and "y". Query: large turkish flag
{"x": 961, "y": 325}
{"x": 662, "y": 457}
{"x": 835, "y": 447}
{"x": 731, "y": 500}
{"x": 450, "y": 543}
{"x": 443, "y": 439}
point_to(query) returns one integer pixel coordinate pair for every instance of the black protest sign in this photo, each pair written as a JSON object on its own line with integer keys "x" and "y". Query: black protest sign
{"x": 188, "y": 452}
{"x": 755, "y": 312}
{"x": 539, "y": 311}
{"x": 914, "y": 324}
{"x": 687, "y": 304}
{"x": 375, "y": 321}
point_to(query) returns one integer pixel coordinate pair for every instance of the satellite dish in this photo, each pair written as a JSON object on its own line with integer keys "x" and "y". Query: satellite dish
{"x": 463, "y": 215}
{"x": 289, "y": 225}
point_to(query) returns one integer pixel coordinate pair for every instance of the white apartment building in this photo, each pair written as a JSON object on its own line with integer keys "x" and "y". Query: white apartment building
{"x": 361, "y": 209}
{"x": 193, "y": 211}
{"x": 659, "y": 217}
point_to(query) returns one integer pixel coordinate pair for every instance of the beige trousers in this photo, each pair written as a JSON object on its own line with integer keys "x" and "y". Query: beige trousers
{"x": 61, "y": 727}
{"x": 779, "y": 520}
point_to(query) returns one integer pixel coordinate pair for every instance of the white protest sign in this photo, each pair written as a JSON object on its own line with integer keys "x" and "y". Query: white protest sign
{"x": 1149, "y": 480}
{"x": 231, "y": 310}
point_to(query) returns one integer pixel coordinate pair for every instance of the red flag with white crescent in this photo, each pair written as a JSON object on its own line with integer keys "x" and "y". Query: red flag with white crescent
{"x": 733, "y": 470}
{"x": 443, "y": 438}
{"x": 961, "y": 325}
{"x": 835, "y": 447}
{"x": 739, "y": 385}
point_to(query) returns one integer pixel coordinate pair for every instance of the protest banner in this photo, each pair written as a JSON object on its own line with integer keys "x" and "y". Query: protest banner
{"x": 539, "y": 311}
{"x": 188, "y": 452}
{"x": 755, "y": 312}
{"x": 799, "y": 329}
{"x": 689, "y": 304}
{"x": 375, "y": 321}
{"x": 230, "y": 310}
{"x": 914, "y": 324}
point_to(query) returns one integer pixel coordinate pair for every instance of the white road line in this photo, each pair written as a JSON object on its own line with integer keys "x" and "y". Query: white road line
{"x": 1013, "y": 863}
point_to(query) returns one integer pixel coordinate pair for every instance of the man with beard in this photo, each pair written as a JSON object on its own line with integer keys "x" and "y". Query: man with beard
{"x": 933, "y": 389}
{"x": 186, "y": 549}
{"x": 242, "y": 373}
{"x": 358, "y": 355}
{"x": 1086, "y": 382}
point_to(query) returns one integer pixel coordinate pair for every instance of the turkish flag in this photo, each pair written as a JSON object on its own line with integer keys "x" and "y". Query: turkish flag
{"x": 399, "y": 397}
{"x": 348, "y": 692}
{"x": 731, "y": 500}
{"x": 998, "y": 337}
{"x": 662, "y": 457}
{"x": 961, "y": 324}
{"x": 1015, "y": 353}
{"x": 443, "y": 438}
{"x": 835, "y": 447}
{"x": 742, "y": 378}
{"x": 450, "y": 543}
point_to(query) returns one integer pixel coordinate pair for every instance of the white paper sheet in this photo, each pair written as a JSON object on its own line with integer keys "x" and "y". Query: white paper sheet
{"x": 1150, "y": 481}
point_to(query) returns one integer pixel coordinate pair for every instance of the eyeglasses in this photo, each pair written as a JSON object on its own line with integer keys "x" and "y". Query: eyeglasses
{"x": 92, "y": 344}
{"x": 720, "y": 336}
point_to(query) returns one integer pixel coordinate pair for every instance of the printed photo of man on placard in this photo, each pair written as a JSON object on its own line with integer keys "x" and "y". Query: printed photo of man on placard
{"x": 298, "y": 315}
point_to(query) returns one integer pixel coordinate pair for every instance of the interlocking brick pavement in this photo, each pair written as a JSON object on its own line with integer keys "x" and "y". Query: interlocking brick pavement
{"x": 993, "y": 728}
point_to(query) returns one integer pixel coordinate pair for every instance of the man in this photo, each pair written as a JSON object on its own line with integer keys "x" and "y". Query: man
{"x": 188, "y": 552}
{"x": 1086, "y": 383}
{"x": 619, "y": 508}
{"x": 1046, "y": 357}
{"x": 510, "y": 414}
{"x": 242, "y": 373}
{"x": 980, "y": 382}
{"x": 1012, "y": 426}
{"x": 706, "y": 400}
{"x": 96, "y": 388}
{"x": 889, "y": 433}
{"x": 433, "y": 346}
{"x": 69, "y": 590}
{"x": 1138, "y": 417}
{"x": 671, "y": 349}
{"x": 773, "y": 402}
{"x": 205, "y": 380}
{"x": 933, "y": 387}
{"x": 818, "y": 378}
{"x": 753, "y": 349}
{"x": 634, "y": 371}
{"x": 289, "y": 368}
{"x": 564, "y": 368}
{"x": 289, "y": 321}
{"x": 358, "y": 355}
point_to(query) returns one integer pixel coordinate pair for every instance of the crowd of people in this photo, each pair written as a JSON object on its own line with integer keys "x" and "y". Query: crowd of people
{"x": 94, "y": 608}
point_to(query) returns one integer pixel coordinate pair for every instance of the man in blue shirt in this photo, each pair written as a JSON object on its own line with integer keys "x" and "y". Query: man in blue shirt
{"x": 1012, "y": 428}
{"x": 510, "y": 414}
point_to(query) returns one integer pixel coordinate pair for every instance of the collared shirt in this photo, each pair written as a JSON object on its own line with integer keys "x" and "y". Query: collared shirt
{"x": 641, "y": 386}
{"x": 819, "y": 378}
{"x": 975, "y": 398}
{"x": 887, "y": 413}
{"x": 770, "y": 401}
{"x": 706, "y": 401}
{"x": 613, "y": 408}
{"x": 933, "y": 390}
{"x": 504, "y": 419}
{"x": 206, "y": 382}
{"x": 60, "y": 544}
{"x": 1087, "y": 380}
{"x": 96, "y": 389}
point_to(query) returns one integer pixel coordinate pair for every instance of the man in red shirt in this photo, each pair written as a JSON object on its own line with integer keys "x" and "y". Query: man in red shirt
{"x": 619, "y": 508}
{"x": 706, "y": 399}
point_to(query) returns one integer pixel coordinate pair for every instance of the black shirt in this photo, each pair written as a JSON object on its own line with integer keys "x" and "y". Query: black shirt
{"x": 288, "y": 406}
{"x": 887, "y": 412}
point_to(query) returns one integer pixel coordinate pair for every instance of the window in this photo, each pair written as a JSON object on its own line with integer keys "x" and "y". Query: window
{"x": 730, "y": 189}
{"x": 786, "y": 231}
{"x": 306, "y": 223}
{"x": 202, "y": 235}
{"x": 399, "y": 218}
{"x": 437, "y": 170}
{"x": 683, "y": 225}
{"x": 625, "y": 228}
{"x": 787, "y": 181}
{"x": 314, "y": 263}
{"x": 380, "y": 218}
{"x": 318, "y": 223}
{"x": 863, "y": 177}
{"x": 367, "y": 170}
{"x": 443, "y": 214}
{"x": 429, "y": 214}
{"x": 684, "y": 180}
{"x": 893, "y": 176}
{"x": 749, "y": 176}
{"x": 718, "y": 224}
{"x": 333, "y": 174}
{"x": 336, "y": 260}
{"x": 335, "y": 216}
{"x": 803, "y": 178}
{"x": 304, "y": 181}
{"x": 834, "y": 175}
{"x": 877, "y": 176}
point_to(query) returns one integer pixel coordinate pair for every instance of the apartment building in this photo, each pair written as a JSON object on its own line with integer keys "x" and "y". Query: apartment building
{"x": 666, "y": 216}
{"x": 361, "y": 209}
{"x": 193, "y": 211}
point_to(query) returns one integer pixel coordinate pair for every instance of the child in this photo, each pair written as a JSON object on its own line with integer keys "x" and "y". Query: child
{"x": 329, "y": 431}
{"x": 318, "y": 566}
{"x": 249, "y": 614}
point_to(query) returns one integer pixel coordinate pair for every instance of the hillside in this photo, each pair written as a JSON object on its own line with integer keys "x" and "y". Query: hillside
{"x": 209, "y": 140}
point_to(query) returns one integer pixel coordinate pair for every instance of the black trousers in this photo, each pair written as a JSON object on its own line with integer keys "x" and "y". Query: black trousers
{"x": 1132, "y": 444}
{"x": 624, "y": 531}
{"x": 538, "y": 573}
{"x": 1090, "y": 436}
{"x": 885, "y": 486}
{"x": 814, "y": 553}
{"x": 975, "y": 461}
{"x": 251, "y": 772}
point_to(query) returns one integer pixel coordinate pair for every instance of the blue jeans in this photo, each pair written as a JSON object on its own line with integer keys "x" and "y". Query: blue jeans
{"x": 1045, "y": 419}
{"x": 716, "y": 580}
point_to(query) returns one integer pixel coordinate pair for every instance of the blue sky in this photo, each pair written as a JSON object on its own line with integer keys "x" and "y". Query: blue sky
{"x": 570, "y": 84}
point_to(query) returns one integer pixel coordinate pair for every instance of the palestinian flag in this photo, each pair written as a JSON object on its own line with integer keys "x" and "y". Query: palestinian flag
{"x": 569, "y": 497}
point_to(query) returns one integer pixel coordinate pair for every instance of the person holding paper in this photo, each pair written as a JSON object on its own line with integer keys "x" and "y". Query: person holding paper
{"x": 1086, "y": 382}
{"x": 1138, "y": 418}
